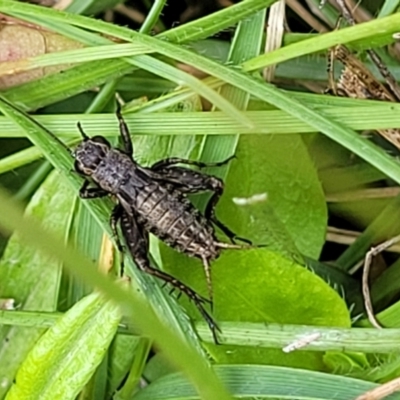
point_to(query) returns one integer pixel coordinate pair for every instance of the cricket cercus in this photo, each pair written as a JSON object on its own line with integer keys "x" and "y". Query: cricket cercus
{"x": 154, "y": 200}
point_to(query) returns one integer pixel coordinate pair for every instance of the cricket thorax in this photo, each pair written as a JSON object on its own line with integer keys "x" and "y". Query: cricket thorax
{"x": 114, "y": 171}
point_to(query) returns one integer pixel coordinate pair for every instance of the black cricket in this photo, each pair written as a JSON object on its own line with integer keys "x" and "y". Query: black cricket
{"x": 154, "y": 200}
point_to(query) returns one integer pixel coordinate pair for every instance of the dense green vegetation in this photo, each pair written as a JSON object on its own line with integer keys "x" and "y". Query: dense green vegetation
{"x": 298, "y": 151}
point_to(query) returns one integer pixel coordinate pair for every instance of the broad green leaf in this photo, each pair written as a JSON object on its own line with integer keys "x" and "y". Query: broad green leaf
{"x": 262, "y": 286}
{"x": 259, "y": 285}
{"x": 294, "y": 211}
{"x": 344, "y": 283}
{"x": 66, "y": 356}
{"x": 29, "y": 276}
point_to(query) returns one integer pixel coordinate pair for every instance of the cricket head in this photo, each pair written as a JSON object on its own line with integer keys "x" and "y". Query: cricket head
{"x": 90, "y": 153}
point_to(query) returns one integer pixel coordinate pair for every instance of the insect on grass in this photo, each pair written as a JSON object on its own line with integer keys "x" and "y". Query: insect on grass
{"x": 154, "y": 200}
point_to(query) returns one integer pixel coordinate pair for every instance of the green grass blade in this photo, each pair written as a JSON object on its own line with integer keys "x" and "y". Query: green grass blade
{"x": 246, "y": 44}
{"x": 195, "y": 30}
{"x": 211, "y": 24}
{"x": 153, "y": 16}
{"x": 74, "y": 56}
{"x": 366, "y": 339}
{"x": 264, "y": 382}
{"x": 388, "y": 7}
{"x": 19, "y": 159}
{"x": 371, "y": 115}
{"x": 318, "y": 121}
{"x": 385, "y": 226}
{"x": 180, "y": 77}
{"x": 53, "y": 88}
{"x": 34, "y": 181}
{"x": 268, "y": 93}
{"x": 387, "y": 26}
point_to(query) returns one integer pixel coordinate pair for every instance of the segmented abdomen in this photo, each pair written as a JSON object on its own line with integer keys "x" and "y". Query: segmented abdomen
{"x": 172, "y": 218}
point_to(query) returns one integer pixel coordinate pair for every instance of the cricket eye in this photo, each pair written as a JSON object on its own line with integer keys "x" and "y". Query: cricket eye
{"x": 100, "y": 139}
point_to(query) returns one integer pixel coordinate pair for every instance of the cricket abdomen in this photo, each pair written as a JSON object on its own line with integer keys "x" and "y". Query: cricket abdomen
{"x": 172, "y": 218}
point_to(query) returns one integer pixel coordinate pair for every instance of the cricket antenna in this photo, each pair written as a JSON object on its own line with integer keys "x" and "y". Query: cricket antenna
{"x": 118, "y": 110}
{"x": 85, "y": 137}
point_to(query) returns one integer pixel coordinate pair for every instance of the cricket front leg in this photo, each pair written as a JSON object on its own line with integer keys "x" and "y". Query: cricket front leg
{"x": 91, "y": 193}
{"x": 138, "y": 244}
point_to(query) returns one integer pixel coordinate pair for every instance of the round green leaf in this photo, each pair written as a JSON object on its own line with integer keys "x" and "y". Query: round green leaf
{"x": 293, "y": 214}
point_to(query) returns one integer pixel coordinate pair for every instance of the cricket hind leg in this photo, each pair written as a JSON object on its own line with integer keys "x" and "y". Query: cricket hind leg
{"x": 191, "y": 182}
{"x": 138, "y": 244}
{"x": 210, "y": 214}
